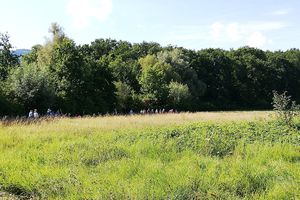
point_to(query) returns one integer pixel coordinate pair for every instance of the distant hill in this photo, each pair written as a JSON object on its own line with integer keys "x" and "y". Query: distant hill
{"x": 21, "y": 52}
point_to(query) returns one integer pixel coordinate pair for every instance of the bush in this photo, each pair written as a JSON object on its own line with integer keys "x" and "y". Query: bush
{"x": 285, "y": 109}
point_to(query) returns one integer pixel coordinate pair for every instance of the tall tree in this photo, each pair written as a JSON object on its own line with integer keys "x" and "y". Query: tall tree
{"x": 32, "y": 56}
{"x": 8, "y": 60}
{"x": 183, "y": 71}
{"x": 30, "y": 87}
{"x": 154, "y": 80}
{"x": 250, "y": 73}
{"x": 179, "y": 95}
{"x": 214, "y": 67}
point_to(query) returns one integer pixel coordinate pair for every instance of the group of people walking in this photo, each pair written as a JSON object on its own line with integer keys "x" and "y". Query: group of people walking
{"x": 147, "y": 111}
{"x": 157, "y": 111}
{"x": 33, "y": 114}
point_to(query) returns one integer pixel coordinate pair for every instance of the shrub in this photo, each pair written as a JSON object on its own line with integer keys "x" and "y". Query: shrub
{"x": 285, "y": 109}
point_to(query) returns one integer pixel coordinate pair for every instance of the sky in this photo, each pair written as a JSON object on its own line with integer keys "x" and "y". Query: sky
{"x": 194, "y": 24}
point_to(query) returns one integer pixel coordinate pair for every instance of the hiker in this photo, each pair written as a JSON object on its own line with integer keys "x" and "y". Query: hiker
{"x": 49, "y": 112}
{"x": 115, "y": 112}
{"x": 30, "y": 114}
{"x": 35, "y": 114}
{"x": 57, "y": 114}
{"x": 131, "y": 112}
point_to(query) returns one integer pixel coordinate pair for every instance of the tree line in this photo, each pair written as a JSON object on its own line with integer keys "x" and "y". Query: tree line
{"x": 108, "y": 74}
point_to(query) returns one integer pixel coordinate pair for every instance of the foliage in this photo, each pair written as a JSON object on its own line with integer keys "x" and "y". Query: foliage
{"x": 7, "y": 59}
{"x": 99, "y": 87}
{"x": 285, "y": 108}
{"x": 30, "y": 87}
{"x": 154, "y": 79}
{"x": 123, "y": 95}
{"x": 83, "y": 76}
{"x": 33, "y": 55}
{"x": 178, "y": 94}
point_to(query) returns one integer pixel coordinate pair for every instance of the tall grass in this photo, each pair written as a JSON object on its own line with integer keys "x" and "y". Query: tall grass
{"x": 189, "y": 156}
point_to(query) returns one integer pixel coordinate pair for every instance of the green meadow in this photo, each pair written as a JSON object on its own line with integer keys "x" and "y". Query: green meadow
{"x": 218, "y": 155}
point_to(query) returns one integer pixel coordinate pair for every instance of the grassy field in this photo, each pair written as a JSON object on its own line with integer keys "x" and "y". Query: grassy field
{"x": 214, "y": 155}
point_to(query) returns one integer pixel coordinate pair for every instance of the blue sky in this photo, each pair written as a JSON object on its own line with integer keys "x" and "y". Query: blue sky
{"x": 194, "y": 24}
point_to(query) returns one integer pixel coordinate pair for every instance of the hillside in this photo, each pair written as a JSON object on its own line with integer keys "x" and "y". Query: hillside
{"x": 21, "y": 52}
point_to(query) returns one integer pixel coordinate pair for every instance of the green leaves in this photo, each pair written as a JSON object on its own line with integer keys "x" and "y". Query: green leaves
{"x": 148, "y": 75}
{"x": 178, "y": 94}
{"x": 153, "y": 79}
{"x": 7, "y": 59}
{"x": 30, "y": 87}
{"x": 285, "y": 109}
{"x": 124, "y": 95}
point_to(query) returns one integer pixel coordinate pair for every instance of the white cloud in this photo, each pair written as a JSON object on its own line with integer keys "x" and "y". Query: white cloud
{"x": 83, "y": 11}
{"x": 233, "y": 32}
{"x": 257, "y": 39}
{"x": 184, "y": 33}
{"x": 80, "y": 22}
{"x": 186, "y": 37}
{"x": 250, "y": 33}
{"x": 279, "y": 12}
{"x": 265, "y": 26}
{"x": 216, "y": 30}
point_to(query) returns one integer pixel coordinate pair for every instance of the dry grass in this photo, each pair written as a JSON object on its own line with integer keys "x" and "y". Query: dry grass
{"x": 110, "y": 123}
{"x": 140, "y": 121}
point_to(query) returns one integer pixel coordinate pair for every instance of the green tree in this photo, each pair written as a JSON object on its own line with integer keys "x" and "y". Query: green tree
{"x": 183, "y": 71}
{"x": 45, "y": 53}
{"x": 250, "y": 75}
{"x": 124, "y": 96}
{"x": 30, "y": 87}
{"x": 32, "y": 56}
{"x": 214, "y": 68}
{"x": 154, "y": 80}
{"x": 83, "y": 83}
{"x": 101, "y": 47}
{"x": 99, "y": 88}
{"x": 68, "y": 73}
{"x": 179, "y": 95}
{"x": 7, "y": 59}
{"x": 57, "y": 32}
{"x": 285, "y": 108}
{"x": 145, "y": 48}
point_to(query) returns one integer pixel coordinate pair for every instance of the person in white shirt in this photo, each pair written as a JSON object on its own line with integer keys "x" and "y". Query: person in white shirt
{"x": 30, "y": 114}
{"x": 35, "y": 114}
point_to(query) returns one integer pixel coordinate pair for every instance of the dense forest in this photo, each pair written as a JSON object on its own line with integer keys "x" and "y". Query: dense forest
{"x": 108, "y": 74}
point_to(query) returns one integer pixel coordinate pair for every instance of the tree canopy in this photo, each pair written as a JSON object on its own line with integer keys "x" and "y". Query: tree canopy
{"x": 107, "y": 74}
